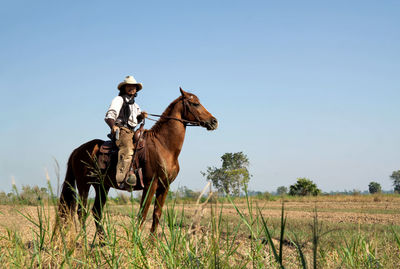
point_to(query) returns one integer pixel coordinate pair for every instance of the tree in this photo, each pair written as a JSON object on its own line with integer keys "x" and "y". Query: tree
{"x": 281, "y": 190}
{"x": 374, "y": 187}
{"x": 185, "y": 192}
{"x": 304, "y": 187}
{"x": 396, "y": 180}
{"x": 233, "y": 176}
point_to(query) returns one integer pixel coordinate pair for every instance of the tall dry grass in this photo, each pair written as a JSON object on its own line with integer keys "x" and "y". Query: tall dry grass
{"x": 207, "y": 238}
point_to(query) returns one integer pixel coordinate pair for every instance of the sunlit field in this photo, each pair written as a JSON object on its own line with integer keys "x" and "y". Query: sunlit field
{"x": 352, "y": 231}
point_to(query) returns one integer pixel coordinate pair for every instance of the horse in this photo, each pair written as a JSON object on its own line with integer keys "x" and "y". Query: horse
{"x": 160, "y": 165}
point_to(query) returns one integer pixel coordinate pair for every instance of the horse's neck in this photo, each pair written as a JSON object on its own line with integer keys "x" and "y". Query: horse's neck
{"x": 171, "y": 132}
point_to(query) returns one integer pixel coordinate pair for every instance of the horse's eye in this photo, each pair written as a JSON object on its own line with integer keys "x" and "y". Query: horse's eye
{"x": 195, "y": 104}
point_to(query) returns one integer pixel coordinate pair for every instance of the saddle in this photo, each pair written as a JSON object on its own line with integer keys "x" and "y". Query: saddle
{"x": 109, "y": 149}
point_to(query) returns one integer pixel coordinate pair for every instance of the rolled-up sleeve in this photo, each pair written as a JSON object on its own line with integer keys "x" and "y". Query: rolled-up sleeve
{"x": 115, "y": 107}
{"x": 139, "y": 111}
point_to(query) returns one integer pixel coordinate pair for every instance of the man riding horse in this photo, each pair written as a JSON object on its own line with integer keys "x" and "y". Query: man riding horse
{"x": 123, "y": 116}
{"x": 158, "y": 158}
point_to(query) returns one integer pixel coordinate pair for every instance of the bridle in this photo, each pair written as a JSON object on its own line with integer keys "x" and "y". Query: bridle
{"x": 186, "y": 108}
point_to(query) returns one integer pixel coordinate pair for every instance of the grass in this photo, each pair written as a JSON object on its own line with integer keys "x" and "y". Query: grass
{"x": 240, "y": 233}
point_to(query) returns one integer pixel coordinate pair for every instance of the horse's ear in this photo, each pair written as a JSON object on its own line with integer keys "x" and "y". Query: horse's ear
{"x": 182, "y": 91}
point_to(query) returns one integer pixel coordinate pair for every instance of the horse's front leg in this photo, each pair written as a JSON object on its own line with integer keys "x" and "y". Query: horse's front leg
{"x": 161, "y": 195}
{"x": 145, "y": 202}
{"x": 83, "y": 190}
{"x": 97, "y": 210}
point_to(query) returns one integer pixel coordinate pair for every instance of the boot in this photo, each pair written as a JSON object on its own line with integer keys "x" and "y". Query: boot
{"x": 131, "y": 179}
{"x": 122, "y": 170}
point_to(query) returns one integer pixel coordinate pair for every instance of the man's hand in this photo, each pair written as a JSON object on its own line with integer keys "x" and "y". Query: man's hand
{"x": 114, "y": 129}
{"x": 142, "y": 116}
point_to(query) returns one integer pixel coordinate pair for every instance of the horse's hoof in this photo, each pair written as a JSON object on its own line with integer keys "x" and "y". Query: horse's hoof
{"x": 100, "y": 244}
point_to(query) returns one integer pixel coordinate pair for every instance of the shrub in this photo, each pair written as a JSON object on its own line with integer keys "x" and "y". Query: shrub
{"x": 304, "y": 187}
{"x": 374, "y": 187}
{"x": 282, "y": 190}
{"x": 122, "y": 198}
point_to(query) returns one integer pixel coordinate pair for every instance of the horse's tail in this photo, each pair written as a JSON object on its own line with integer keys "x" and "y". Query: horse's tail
{"x": 67, "y": 202}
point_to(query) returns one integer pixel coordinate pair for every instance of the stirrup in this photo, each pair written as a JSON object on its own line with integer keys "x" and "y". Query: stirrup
{"x": 131, "y": 180}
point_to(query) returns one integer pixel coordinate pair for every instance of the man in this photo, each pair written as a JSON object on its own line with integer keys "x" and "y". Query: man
{"x": 124, "y": 115}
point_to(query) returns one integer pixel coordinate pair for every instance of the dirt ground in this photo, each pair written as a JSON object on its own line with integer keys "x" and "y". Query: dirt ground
{"x": 365, "y": 212}
{"x": 385, "y": 211}
{"x": 346, "y": 214}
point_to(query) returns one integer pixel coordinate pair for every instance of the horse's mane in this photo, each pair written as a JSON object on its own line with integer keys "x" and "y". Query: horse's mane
{"x": 167, "y": 112}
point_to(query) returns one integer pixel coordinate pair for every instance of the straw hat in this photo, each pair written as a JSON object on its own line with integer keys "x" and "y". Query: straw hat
{"x": 130, "y": 80}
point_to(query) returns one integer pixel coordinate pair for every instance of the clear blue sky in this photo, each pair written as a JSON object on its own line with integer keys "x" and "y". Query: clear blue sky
{"x": 304, "y": 88}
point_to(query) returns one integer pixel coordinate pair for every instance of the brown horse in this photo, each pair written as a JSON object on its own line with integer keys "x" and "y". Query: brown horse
{"x": 160, "y": 166}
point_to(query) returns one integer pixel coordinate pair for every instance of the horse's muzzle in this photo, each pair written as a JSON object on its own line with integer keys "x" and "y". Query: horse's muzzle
{"x": 212, "y": 124}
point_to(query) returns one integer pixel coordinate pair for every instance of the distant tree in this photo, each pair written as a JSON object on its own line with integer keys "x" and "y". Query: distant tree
{"x": 233, "y": 176}
{"x": 396, "y": 180}
{"x": 304, "y": 187}
{"x": 254, "y": 193}
{"x": 281, "y": 190}
{"x": 185, "y": 192}
{"x": 374, "y": 187}
{"x": 32, "y": 195}
{"x": 3, "y": 198}
{"x": 355, "y": 192}
{"x": 266, "y": 195}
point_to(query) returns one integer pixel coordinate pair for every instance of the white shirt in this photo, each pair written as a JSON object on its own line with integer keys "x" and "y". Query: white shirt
{"x": 115, "y": 108}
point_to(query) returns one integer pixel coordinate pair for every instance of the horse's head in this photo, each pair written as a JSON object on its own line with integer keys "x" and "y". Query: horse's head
{"x": 195, "y": 112}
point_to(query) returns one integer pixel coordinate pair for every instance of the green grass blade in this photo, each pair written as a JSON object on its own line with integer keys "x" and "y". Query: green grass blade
{"x": 269, "y": 237}
{"x": 283, "y": 224}
{"x": 396, "y": 237}
{"x": 300, "y": 251}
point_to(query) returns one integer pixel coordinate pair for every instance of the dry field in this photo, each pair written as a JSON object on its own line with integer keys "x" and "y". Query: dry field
{"x": 333, "y": 231}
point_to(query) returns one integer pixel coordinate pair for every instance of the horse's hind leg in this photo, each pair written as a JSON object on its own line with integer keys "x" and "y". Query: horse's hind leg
{"x": 97, "y": 210}
{"x": 83, "y": 190}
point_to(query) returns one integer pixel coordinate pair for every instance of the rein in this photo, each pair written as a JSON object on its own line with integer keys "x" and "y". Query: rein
{"x": 185, "y": 122}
